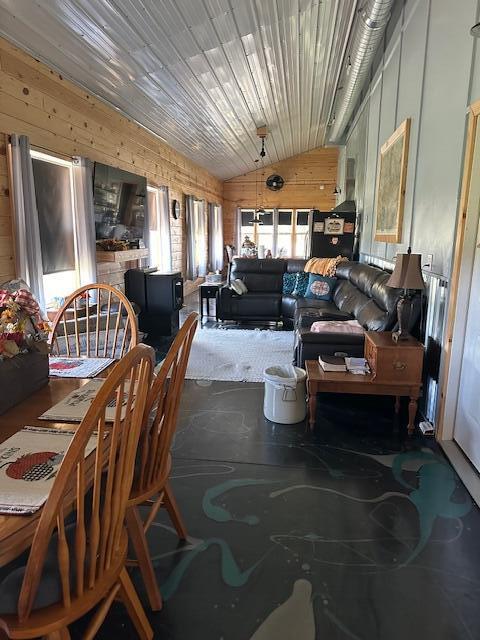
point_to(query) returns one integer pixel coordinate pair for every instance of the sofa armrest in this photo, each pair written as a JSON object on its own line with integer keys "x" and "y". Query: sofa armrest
{"x": 309, "y": 345}
{"x": 224, "y": 302}
{"x": 318, "y": 337}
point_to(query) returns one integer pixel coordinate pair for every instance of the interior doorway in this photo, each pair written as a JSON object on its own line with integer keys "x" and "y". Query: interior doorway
{"x": 459, "y": 423}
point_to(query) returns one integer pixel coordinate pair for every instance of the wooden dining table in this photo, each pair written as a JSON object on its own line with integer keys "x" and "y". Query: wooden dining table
{"x": 17, "y": 531}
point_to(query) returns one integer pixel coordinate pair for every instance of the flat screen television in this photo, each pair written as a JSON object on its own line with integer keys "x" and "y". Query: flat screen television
{"x": 120, "y": 207}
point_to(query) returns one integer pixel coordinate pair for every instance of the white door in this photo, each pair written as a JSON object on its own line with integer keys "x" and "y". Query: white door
{"x": 467, "y": 418}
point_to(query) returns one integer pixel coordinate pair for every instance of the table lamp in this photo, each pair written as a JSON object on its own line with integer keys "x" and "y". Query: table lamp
{"x": 407, "y": 275}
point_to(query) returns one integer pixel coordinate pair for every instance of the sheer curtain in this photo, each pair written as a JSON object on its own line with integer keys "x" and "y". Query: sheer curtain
{"x": 165, "y": 234}
{"x": 215, "y": 237}
{"x": 28, "y": 251}
{"x": 159, "y": 222}
{"x": 82, "y": 170}
{"x": 196, "y": 228}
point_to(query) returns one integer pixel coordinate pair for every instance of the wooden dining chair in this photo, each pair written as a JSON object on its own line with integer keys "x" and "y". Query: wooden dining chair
{"x": 77, "y": 562}
{"x": 96, "y": 321}
{"x": 151, "y": 483}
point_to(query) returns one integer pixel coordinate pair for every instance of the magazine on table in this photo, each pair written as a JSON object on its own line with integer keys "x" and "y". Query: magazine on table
{"x": 358, "y": 366}
{"x": 332, "y": 363}
{"x": 29, "y": 463}
{"x": 74, "y": 406}
{"x": 63, "y": 367}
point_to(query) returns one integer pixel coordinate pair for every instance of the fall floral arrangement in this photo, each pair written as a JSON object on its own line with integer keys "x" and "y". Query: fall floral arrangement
{"x": 22, "y": 326}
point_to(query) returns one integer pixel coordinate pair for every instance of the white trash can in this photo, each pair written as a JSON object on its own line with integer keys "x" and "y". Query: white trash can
{"x": 285, "y": 399}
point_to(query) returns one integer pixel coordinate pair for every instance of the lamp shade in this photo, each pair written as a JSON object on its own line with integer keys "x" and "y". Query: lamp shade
{"x": 407, "y": 273}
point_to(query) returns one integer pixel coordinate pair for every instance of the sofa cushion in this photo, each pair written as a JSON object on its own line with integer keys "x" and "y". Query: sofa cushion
{"x": 320, "y": 287}
{"x": 364, "y": 276}
{"x": 305, "y": 317}
{"x": 348, "y": 298}
{"x": 256, "y": 305}
{"x": 295, "y": 265}
{"x": 373, "y": 318}
{"x": 330, "y": 338}
{"x": 259, "y": 275}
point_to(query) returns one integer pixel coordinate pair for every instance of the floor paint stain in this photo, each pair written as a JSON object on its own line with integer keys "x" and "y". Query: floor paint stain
{"x": 231, "y": 573}
{"x": 221, "y": 514}
{"x": 432, "y": 497}
{"x": 292, "y": 619}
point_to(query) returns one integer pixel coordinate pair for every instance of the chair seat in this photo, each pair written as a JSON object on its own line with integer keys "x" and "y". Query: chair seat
{"x": 50, "y": 588}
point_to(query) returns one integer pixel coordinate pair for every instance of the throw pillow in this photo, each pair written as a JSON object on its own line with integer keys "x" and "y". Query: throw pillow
{"x": 301, "y": 284}
{"x": 289, "y": 281}
{"x": 238, "y": 286}
{"x": 243, "y": 286}
{"x": 320, "y": 287}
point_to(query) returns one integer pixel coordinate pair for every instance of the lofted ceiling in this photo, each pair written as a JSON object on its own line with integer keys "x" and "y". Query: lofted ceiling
{"x": 200, "y": 74}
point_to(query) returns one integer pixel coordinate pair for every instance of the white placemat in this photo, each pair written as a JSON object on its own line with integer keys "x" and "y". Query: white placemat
{"x": 29, "y": 462}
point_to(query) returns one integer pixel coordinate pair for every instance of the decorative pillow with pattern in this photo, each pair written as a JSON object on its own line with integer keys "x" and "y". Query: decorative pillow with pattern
{"x": 301, "y": 284}
{"x": 289, "y": 281}
{"x": 320, "y": 287}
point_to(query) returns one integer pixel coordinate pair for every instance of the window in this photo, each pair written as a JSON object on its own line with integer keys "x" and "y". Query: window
{"x": 196, "y": 227}
{"x": 284, "y": 232}
{"x": 264, "y": 234}
{"x": 246, "y": 228}
{"x": 53, "y": 180}
{"x": 301, "y": 234}
{"x": 215, "y": 237}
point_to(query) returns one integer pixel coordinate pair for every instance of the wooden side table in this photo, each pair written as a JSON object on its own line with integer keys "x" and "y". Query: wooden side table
{"x": 208, "y": 291}
{"x": 396, "y": 371}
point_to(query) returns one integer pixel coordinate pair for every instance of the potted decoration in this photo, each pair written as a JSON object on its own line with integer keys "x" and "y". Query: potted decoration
{"x": 23, "y": 344}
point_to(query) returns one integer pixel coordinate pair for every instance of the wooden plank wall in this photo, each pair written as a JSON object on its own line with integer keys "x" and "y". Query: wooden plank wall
{"x": 6, "y": 241}
{"x": 63, "y": 119}
{"x": 304, "y": 176}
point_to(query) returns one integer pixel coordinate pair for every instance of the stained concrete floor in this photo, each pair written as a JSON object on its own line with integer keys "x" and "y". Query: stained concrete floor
{"x": 353, "y": 532}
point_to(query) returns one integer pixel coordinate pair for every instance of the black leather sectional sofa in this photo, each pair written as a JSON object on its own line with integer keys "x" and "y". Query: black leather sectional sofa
{"x": 360, "y": 293}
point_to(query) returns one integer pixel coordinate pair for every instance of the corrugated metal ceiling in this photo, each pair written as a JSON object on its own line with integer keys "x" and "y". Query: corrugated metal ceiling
{"x": 201, "y": 74}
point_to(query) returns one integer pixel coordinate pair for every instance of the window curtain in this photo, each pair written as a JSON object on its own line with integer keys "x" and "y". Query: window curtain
{"x": 215, "y": 237}
{"x": 165, "y": 233}
{"x": 202, "y": 233}
{"x": 196, "y": 228}
{"x": 84, "y": 220}
{"x": 28, "y": 251}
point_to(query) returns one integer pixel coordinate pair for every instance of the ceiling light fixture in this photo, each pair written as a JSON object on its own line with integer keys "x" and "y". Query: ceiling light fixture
{"x": 259, "y": 210}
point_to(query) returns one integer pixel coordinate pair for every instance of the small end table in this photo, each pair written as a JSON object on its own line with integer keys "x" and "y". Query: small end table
{"x": 208, "y": 291}
{"x": 396, "y": 371}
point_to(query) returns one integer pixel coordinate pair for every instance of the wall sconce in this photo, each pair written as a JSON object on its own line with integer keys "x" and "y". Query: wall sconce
{"x": 337, "y": 191}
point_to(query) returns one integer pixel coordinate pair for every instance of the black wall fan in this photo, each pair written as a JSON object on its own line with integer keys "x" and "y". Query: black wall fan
{"x": 275, "y": 182}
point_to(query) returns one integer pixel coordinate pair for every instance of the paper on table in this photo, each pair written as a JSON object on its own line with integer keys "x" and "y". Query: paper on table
{"x": 78, "y": 367}
{"x": 29, "y": 462}
{"x": 74, "y": 406}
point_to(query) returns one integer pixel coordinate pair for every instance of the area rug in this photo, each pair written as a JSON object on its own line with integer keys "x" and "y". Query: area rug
{"x": 240, "y": 355}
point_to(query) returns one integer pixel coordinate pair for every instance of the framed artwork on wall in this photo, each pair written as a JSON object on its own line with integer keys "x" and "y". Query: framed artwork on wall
{"x": 334, "y": 226}
{"x": 392, "y": 175}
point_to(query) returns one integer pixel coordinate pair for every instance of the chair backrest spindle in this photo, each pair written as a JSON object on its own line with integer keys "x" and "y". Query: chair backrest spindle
{"x": 90, "y": 327}
{"x": 162, "y": 411}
